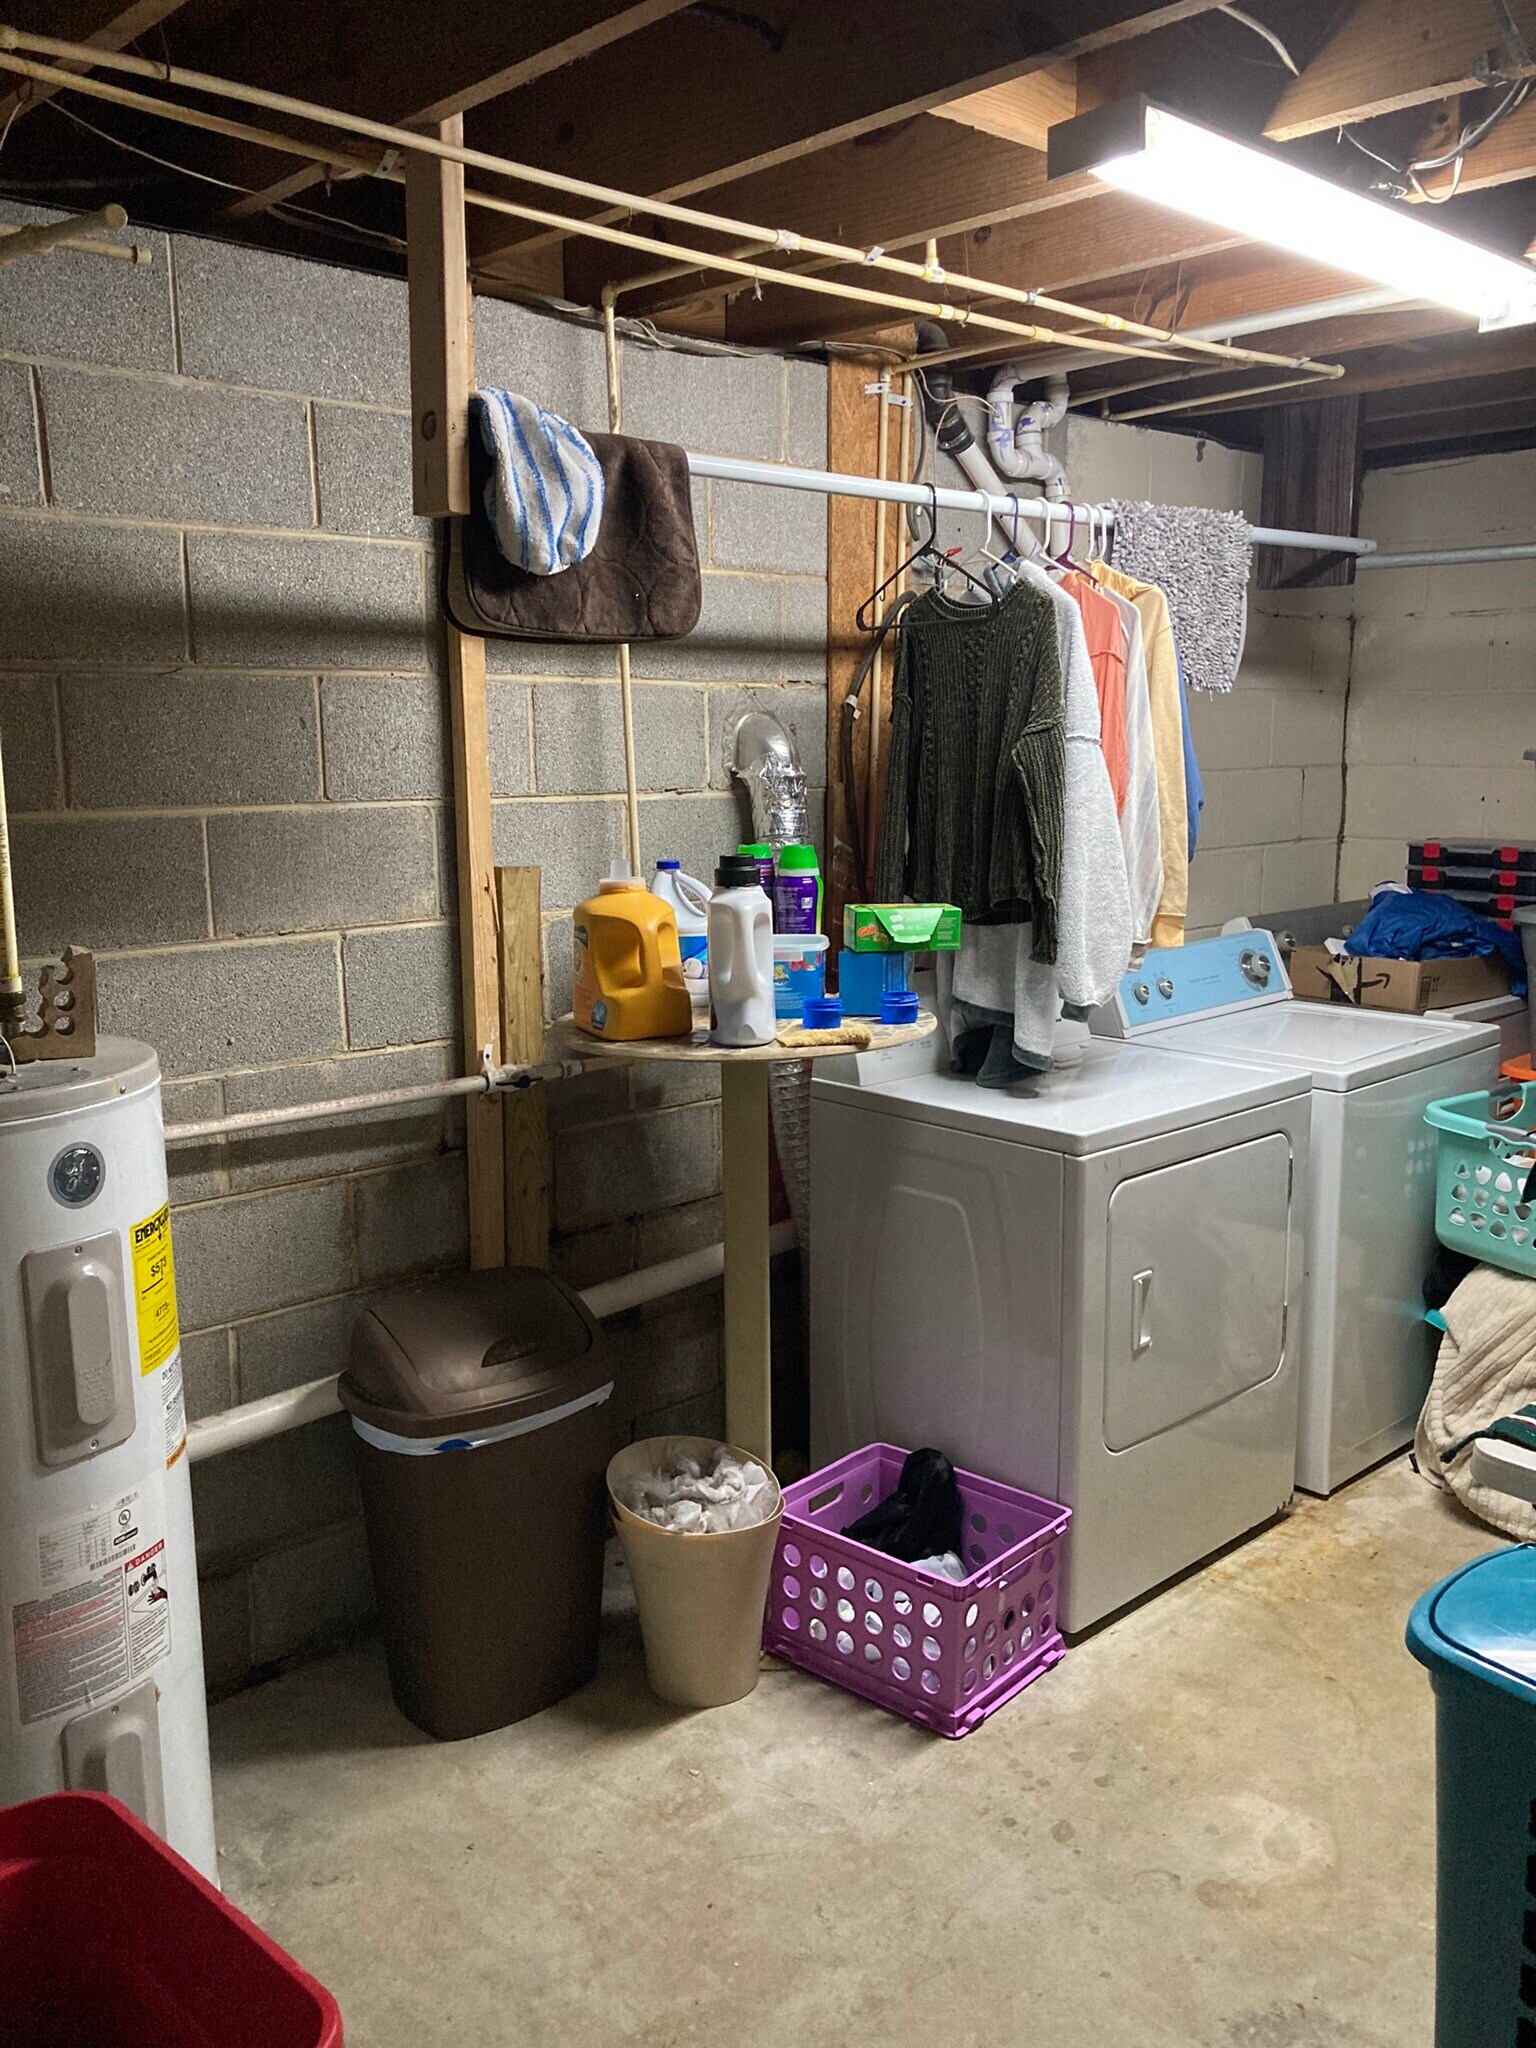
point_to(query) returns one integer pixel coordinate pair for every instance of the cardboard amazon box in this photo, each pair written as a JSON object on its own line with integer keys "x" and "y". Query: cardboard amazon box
{"x": 1413, "y": 986}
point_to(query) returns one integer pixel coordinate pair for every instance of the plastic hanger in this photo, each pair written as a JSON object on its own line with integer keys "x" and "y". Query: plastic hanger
{"x": 928, "y": 550}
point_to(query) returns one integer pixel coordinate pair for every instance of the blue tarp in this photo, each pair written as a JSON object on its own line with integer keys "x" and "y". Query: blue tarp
{"x": 1412, "y": 924}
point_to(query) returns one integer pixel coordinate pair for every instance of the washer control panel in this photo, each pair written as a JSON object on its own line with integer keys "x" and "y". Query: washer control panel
{"x": 1208, "y": 978}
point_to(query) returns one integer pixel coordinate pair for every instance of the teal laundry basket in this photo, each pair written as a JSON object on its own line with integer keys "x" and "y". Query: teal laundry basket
{"x": 1476, "y": 1634}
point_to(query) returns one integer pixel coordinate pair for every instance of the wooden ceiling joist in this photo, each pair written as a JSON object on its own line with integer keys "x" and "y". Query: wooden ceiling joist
{"x": 1063, "y": 250}
{"x": 1024, "y": 110}
{"x": 785, "y": 84}
{"x": 893, "y": 189}
{"x": 105, "y": 24}
{"x": 478, "y": 50}
{"x": 1391, "y": 54}
{"x": 1507, "y": 157}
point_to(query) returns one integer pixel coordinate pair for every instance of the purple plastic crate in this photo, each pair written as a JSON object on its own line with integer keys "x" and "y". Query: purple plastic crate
{"x": 941, "y": 1652}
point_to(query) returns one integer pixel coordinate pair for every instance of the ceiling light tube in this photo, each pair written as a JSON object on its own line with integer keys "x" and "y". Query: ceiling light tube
{"x": 1145, "y": 150}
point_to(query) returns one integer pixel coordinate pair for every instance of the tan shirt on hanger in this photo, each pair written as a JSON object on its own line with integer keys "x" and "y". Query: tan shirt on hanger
{"x": 1168, "y": 742}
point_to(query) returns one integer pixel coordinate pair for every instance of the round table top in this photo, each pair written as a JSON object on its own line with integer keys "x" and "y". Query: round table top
{"x": 566, "y": 1038}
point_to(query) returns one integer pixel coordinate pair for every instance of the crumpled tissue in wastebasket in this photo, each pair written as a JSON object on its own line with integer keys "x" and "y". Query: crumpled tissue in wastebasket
{"x": 732, "y": 1494}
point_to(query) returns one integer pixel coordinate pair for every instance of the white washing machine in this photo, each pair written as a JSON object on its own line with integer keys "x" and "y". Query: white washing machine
{"x": 1086, "y": 1286}
{"x": 1366, "y": 1354}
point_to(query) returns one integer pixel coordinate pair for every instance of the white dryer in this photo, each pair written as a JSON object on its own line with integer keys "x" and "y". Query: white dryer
{"x": 1086, "y": 1286}
{"x": 1366, "y": 1354}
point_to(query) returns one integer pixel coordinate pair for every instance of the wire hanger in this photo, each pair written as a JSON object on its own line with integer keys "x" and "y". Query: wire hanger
{"x": 927, "y": 550}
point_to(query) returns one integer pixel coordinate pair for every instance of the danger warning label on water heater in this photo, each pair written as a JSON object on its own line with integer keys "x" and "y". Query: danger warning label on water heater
{"x": 97, "y": 1611}
{"x": 154, "y": 1289}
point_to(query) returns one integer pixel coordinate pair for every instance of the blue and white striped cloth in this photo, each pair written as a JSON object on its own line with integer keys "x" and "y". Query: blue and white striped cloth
{"x": 545, "y": 495}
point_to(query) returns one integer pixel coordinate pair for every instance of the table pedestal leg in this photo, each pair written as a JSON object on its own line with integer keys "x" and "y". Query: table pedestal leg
{"x": 744, "y": 1173}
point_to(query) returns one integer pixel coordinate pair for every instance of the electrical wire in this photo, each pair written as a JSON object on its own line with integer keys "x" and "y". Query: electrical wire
{"x": 295, "y": 215}
{"x": 1469, "y": 138}
{"x": 1259, "y": 29}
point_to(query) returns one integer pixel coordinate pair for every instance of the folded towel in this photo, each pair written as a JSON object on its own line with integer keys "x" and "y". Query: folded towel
{"x": 1200, "y": 561}
{"x": 544, "y": 496}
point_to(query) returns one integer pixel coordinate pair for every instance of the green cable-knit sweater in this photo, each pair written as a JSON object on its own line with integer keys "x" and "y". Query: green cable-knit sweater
{"x": 974, "y": 786}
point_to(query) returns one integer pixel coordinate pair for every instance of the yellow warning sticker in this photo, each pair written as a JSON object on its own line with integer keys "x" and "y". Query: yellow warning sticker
{"x": 154, "y": 1290}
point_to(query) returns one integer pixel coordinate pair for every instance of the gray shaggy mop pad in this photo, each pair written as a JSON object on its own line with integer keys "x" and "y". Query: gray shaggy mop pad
{"x": 1200, "y": 560}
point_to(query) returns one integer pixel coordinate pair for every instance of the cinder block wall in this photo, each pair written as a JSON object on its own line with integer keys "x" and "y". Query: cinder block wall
{"x": 222, "y": 718}
{"x": 1441, "y": 701}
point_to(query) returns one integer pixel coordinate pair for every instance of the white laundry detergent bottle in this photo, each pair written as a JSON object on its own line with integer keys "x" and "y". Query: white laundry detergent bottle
{"x": 689, "y": 899}
{"x": 740, "y": 936}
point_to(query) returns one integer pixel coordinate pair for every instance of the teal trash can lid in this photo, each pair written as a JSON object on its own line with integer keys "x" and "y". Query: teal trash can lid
{"x": 1482, "y": 1621}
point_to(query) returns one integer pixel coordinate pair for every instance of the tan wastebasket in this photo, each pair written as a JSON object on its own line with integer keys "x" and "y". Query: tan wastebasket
{"x": 701, "y": 1598}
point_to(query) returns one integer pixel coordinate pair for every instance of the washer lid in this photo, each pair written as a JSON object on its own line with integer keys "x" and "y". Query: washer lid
{"x": 119, "y": 1066}
{"x": 1118, "y": 1094}
{"x": 1482, "y": 1621}
{"x": 1340, "y": 1047}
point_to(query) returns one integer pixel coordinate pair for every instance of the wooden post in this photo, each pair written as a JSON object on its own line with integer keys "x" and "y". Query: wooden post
{"x": 1312, "y": 466}
{"x": 853, "y": 432}
{"x": 748, "y": 1329}
{"x": 522, "y": 1040}
{"x": 442, "y": 360}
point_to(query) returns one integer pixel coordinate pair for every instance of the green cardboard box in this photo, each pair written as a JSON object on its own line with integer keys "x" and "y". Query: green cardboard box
{"x": 901, "y": 928}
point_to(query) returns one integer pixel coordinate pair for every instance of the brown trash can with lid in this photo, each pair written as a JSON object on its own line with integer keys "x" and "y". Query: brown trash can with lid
{"x": 480, "y": 1426}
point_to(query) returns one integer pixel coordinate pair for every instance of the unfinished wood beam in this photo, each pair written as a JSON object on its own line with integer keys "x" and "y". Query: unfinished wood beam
{"x": 1391, "y": 54}
{"x": 853, "y": 433}
{"x": 1098, "y": 237}
{"x": 823, "y": 75}
{"x": 1023, "y": 110}
{"x": 104, "y": 24}
{"x": 442, "y": 367}
{"x": 895, "y": 188}
{"x": 522, "y": 1043}
{"x": 1311, "y": 483}
{"x": 1507, "y": 157}
{"x": 477, "y": 50}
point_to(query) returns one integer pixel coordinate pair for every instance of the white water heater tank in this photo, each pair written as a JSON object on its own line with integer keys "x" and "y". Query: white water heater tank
{"x": 101, "y": 1652}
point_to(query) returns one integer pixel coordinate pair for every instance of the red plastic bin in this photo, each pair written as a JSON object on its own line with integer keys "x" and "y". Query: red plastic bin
{"x": 109, "y": 1940}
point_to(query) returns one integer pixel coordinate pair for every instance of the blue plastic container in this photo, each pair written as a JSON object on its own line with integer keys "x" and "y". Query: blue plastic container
{"x": 863, "y": 978}
{"x": 1476, "y": 1635}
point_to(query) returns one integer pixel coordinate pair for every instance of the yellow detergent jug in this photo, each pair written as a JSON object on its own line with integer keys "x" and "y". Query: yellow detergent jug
{"x": 629, "y": 971}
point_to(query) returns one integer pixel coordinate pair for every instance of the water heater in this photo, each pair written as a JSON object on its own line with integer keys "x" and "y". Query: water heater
{"x": 101, "y": 1655}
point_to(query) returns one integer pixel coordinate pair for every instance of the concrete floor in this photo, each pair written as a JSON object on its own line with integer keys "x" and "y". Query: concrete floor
{"x": 1209, "y": 1827}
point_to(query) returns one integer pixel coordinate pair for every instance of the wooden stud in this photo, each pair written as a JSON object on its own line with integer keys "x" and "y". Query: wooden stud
{"x": 441, "y": 348}
{"x": 442, "y": 360}
{"x": 1507, "y": 157}
{"x": 522, "y": 1042}
{"x": 853, "y": 428}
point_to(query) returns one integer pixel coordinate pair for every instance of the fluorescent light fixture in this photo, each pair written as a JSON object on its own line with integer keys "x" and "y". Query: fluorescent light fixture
{"x": 1145, "y": 150}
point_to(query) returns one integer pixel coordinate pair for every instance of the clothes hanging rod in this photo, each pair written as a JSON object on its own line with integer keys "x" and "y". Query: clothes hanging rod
{"x": 1454, "y": 558}
{"x": 834, "y": 484}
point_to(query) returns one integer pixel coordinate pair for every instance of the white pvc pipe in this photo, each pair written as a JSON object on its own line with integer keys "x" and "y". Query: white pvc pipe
{"x": 835, "y": 484}
{"x": 254, "y": 1421}
{"x": 496, "y": 1080}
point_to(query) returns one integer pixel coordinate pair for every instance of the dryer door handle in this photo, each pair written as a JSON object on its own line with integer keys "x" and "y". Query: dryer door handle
{"x": 1141, "y": 1313}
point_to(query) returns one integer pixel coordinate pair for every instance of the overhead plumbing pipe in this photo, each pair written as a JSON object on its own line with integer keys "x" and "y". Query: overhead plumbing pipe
{"x": 954, "y": 438}
{"x": 1016, "y": 434}
{"x": 254, "y": 1421}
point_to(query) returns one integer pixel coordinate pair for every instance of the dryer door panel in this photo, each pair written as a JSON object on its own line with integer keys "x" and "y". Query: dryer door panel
{"x": 1196, "y": 1311}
